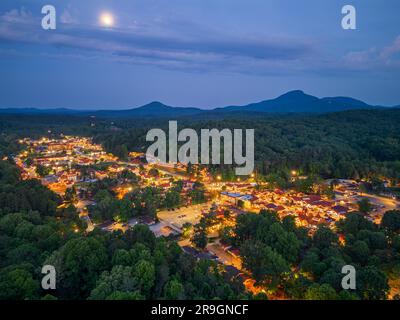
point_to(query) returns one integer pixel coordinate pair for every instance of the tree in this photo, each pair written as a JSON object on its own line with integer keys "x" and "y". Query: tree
{"x": 200, "y": 239}
{"x": 121, "y": 295}
{"x": 391, "y": 221}
{"x": 174, "y": 290}
{"x": 120, "y": 279}
{"x": 321, "y": 292}
{"x": 187, "y": 229}
{"x": 285, "y": 243}
{"x": 324, "y": 237}
{"x": 125, "y": 210}
{"x": 70, "y": 195}
{"x": 172, "y": 199}
{"x": 358, "y": 251}
{"x": 18, "y": 284}
{"x": 304, "y": 185}
{"x": 364, "y": 205}
{"x": 312, "y": 263}
{"x": 78, "y": 263}
{"x": 372, "y": 284}
{"x": 265, "y": 264}
{"x": 145, "y": 274}
{"x": 354, "y": 223}
{"x": 122, "y": 257}
{"x": 42, "y": 171}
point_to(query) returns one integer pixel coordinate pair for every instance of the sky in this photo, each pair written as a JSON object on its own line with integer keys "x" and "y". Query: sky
{"x": 195, "y": 53}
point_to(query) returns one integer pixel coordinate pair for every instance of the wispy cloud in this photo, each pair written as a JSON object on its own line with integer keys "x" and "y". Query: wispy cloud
{"x": 374, "y": 58}
{"x": 183, "y": 45}
{"x": 158, "y": 45}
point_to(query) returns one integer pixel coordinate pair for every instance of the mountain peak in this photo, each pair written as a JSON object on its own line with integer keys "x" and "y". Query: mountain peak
{"x": 297, "y": 95}
{"x": 294, "y": 93}
{"x": 155, "y": 104}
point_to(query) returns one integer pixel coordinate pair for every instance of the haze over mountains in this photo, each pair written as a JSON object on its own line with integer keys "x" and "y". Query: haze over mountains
{"x": 292, "y": 102}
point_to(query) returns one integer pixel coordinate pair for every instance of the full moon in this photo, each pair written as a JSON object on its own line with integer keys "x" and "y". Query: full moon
{"x": 106, "y": 19}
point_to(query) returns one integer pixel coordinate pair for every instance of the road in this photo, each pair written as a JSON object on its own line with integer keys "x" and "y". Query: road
{"x": 81, "y": 207}
{"x": 225, "y": 257}
{"x": 390, "y": 204}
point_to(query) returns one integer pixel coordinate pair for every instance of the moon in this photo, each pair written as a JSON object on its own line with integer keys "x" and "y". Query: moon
{"x": 106, "y": 19}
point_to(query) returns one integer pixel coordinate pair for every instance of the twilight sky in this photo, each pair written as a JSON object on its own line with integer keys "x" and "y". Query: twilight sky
{"x": 200, "y": 53}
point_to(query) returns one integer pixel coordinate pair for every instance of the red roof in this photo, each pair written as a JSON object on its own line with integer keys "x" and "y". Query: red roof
{"x": 340, "y": 209}
{"x": 323, "y": 203}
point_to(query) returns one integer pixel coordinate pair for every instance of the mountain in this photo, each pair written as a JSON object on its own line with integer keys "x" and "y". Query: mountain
{"x": 291, "y": 102}
{"x": 153, "y": 109}
{"x": 299, "y": 102}
{"x": 35, "y": 111}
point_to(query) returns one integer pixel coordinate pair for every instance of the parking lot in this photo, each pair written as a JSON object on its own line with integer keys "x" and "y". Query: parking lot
{"x": 179, "y": 217}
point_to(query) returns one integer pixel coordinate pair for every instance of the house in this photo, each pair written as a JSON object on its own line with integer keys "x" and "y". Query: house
{"x": 340, "y": 209}
{"x": 49, "y": 180}
{"x": 231, "y": 197}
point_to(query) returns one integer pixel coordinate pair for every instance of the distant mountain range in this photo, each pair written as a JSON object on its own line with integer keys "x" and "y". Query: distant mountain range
{"x": 292, "y": 102}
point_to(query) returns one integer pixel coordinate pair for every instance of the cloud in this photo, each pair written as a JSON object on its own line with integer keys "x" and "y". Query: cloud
{"x": 187, "y": 46}
{"x": 389, "y": 53}
{"x": 178, "y": 44}
{"x": 375, "y": 59}
{"x": 67, "y": 18}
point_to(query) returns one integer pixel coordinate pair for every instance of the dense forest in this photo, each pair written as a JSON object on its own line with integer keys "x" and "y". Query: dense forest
{"x": 350, "y": 144}
{"x": 100, "y": 265}
{"x": 136, "y": 265}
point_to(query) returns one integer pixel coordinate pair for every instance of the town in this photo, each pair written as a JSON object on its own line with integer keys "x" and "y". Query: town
{"x": 173, "y": 200}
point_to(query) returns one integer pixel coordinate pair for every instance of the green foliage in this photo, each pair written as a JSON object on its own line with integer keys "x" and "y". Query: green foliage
{"x": 372, "y": 284}
{"x": 174, "y": 290}
{"x": 24, "y": 196}
{"x": 321, "y": 292}
{"x": 266, "y": 264}
{"x": 200, "y": 239}
{"x": 364, "y": 205}
{"x": 391, "y": 221}
{"x": 18, "y": 284}
{"x": 78, "y": 263}
{"x": 42, "y": 171}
